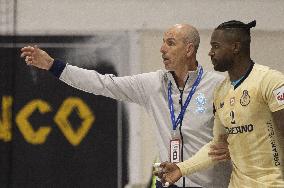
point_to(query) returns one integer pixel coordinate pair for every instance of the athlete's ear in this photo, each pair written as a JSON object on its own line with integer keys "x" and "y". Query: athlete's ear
{"x": 236, "y": 47}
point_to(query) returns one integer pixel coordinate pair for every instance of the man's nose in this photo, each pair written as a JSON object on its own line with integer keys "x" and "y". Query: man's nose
{"x": 163, "y": 49}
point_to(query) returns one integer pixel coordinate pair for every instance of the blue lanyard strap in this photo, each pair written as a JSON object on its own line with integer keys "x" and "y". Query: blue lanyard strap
{"x": 176, "y": 122}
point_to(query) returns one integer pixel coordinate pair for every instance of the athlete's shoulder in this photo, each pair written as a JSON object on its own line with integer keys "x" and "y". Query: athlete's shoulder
{"x": 266, "y": 72}
{"x": 263, "y": 69}
{"x": 260, "y": 69}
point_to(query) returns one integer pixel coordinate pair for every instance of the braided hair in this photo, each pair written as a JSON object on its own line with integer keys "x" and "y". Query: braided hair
{"x": 237, "y": 31}
{"x": 234, "y": 24}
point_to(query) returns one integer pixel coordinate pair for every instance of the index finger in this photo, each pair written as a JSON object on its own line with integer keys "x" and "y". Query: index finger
{"x": 27, "y": 48}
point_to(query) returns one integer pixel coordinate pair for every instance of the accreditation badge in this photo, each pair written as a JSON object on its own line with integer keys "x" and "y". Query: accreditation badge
{"x": 175, "y": 151}
{"x": 175, "y": 148}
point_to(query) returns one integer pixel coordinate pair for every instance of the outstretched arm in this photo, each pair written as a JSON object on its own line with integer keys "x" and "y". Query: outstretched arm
{"x": 136, "y": 88}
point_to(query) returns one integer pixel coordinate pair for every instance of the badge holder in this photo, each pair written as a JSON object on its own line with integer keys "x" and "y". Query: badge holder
{"x": 175, "y": 142}
{"x": 175, "y": 147}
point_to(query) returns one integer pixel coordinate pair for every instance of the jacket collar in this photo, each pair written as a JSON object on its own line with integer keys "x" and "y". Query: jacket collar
{"x": 190, "y": 79}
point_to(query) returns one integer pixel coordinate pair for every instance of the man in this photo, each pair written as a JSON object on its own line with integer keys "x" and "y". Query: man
{"x": 184, "y": 83}
{"x": 249, "y": 108}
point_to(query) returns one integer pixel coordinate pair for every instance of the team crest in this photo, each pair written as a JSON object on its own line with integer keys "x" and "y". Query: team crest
{"x": 245, "y": 99}
{"x": 200, "y": 101}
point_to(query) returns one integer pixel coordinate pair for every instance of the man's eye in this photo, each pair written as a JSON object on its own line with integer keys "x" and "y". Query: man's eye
{"x": 170, "y": 43}
{"x": 216, "y": 46}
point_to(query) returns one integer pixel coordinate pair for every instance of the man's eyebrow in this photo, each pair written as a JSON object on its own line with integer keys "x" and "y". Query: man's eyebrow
{"x": 214, "y": 42}
{"x": 169, "y": 39}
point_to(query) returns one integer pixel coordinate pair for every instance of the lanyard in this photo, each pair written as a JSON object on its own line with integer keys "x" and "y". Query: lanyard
{"x": 177, "y": 121}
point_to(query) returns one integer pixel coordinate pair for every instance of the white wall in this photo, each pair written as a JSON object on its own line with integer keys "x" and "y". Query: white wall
{"x": 267, "y": 48}
{"x": 146, "y": 19}
{"x": 52, "y": 16}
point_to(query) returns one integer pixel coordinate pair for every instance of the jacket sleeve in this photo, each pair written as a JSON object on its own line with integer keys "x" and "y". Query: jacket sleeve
{"x": 128, "y": 88}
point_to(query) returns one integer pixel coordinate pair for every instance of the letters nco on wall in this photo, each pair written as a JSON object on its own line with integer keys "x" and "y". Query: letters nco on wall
{"x": 40, "y": 135}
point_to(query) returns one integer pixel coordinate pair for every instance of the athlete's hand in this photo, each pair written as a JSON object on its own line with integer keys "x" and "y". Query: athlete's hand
{"x": 219, "y": 151}
{"x": 36, "y": 57}
{"x": 169, "y": 172}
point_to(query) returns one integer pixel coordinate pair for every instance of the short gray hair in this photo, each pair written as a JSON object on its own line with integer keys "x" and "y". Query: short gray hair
{"x": 192, "y": 36}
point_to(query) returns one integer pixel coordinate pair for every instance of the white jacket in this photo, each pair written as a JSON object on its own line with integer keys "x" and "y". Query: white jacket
{"x": 150, "y": 91}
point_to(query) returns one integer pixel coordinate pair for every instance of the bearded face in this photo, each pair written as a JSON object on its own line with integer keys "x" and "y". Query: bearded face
{"x": 221, "y": 52}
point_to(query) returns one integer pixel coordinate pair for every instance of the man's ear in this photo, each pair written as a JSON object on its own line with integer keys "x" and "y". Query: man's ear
{"x": 190, "y": 49}
{"x": 236, "y": 47}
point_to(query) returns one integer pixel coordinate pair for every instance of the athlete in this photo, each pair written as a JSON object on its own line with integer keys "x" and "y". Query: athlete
{"x": 249, "y": 110}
